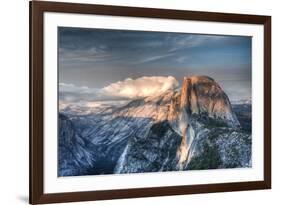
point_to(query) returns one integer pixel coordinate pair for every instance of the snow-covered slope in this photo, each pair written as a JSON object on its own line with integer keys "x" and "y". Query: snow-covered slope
{"x": 190, "y": 128}
{"x": 76, "y": 155}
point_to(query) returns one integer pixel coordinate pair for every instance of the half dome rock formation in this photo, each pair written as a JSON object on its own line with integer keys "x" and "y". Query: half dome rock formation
{"x": 202, "y": 95}
{"x": 193, "y": 127}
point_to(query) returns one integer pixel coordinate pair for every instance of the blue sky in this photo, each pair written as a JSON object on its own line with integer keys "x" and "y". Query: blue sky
{"x": 96, "y": 58}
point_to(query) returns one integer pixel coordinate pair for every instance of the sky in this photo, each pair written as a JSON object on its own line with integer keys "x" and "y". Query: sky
{"x": 99, "y": 64}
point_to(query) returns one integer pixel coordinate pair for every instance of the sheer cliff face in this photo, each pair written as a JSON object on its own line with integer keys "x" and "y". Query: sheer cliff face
{"x": 176, "y": 130}
{"x": 202, "y": 95}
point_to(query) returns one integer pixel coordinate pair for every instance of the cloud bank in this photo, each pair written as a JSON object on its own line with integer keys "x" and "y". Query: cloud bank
{"x": 127, "y": 89}
{"x": 140, "y": 87}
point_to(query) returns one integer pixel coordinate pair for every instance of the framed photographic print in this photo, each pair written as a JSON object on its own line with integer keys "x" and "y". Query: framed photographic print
{"x": 138, "y": 102}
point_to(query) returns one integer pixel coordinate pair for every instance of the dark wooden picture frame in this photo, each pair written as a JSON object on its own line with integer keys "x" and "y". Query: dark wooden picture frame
{"x": 37, "y": 9}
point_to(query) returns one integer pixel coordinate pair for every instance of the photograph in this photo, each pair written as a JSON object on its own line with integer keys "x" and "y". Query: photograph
{"x": 136, "y": 101}
{"x": 148, "y": 101}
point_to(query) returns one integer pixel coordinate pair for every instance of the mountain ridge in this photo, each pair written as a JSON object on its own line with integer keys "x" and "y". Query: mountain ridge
{"x": 167, "y": 132}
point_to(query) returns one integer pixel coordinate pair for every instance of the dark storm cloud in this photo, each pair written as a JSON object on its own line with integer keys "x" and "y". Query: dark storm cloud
{"x": 97, "y": 58}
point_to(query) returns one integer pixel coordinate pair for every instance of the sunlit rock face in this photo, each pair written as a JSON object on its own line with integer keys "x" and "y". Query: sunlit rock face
{"x": 202, "y": 95}
{"x": 193, "y": 127}
{"x": 198, "y": 106}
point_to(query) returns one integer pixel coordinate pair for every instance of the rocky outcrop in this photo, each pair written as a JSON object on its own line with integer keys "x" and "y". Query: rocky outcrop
{"x": 202, "y": 95}
{"x": 200, "y": 103}
{"x": 199, "y": 96}
{"x": 74, "y": 159}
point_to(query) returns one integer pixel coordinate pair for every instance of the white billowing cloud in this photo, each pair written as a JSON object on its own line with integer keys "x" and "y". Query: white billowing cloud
{"x": 140, "y": 87}
{"x": 127, "y": 89}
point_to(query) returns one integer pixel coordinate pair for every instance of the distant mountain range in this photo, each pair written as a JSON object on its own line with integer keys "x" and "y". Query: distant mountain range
{"x": 242, "y": 101}
{"x": 191, "y": 128}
